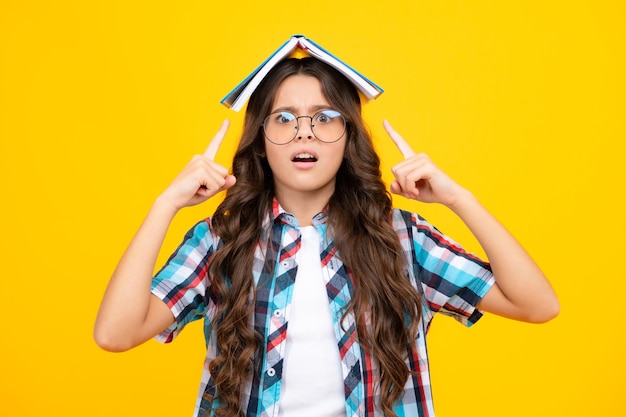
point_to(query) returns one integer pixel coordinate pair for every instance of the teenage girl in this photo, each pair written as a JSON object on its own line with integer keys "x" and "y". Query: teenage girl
{"x": 316, "y": 293}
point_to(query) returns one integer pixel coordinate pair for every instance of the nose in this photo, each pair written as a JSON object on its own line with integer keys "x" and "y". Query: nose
{"x": 305, "y": 128}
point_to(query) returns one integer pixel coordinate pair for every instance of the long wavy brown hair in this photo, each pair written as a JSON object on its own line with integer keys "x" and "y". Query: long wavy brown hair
{"x": 359, "y": 223}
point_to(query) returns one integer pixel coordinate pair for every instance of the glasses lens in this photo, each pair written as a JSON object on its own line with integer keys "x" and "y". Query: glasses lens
{"x": 328, "y": 125}
{"x": 280, "y": 127}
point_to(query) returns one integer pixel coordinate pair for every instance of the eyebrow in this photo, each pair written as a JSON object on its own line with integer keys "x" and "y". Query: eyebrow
{"x": 313, "y": 109}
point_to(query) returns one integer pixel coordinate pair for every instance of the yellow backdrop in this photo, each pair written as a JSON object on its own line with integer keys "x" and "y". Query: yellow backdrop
{"x": 102, "y": 103}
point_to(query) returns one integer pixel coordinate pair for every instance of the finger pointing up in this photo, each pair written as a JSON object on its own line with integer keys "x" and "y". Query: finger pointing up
{"x": 403, "y": 146}
{"x": 213, "y": 147}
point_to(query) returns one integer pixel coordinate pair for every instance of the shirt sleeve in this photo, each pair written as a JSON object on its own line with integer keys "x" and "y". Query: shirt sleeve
{"x": 182, "y": 282}
{"x": 453, "y": 280}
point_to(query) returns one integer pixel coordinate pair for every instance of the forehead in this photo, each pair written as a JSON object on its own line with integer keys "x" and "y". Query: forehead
{"x": 299, "y": 92}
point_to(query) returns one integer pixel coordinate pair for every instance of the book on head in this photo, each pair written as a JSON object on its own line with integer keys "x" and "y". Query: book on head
{"x": 237, "y": 97}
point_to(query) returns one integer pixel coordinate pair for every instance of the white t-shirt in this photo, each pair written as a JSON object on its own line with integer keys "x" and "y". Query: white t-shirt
{"x": 312, "y": 381}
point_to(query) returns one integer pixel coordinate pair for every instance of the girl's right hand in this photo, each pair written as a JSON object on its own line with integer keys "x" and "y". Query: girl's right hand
{"x": 202, "y": 178}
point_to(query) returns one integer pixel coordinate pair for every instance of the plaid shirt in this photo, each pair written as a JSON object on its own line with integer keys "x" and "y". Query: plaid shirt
{"x": 450, "y": 280}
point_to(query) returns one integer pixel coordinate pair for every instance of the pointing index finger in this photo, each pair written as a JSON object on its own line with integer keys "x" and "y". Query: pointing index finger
{"x": 213, "y": 147}
{"x": 404, "y": 148}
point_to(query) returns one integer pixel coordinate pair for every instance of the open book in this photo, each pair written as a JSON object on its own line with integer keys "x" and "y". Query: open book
{"x": 240, "y": 94}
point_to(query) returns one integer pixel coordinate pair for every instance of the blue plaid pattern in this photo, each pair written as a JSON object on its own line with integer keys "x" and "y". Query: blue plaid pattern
{"x": 451, "y": 281}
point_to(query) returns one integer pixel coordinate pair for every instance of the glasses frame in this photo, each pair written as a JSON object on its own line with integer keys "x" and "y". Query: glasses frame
{"x": 297, "y": 118}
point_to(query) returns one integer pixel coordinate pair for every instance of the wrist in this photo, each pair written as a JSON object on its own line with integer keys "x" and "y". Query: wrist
{"x": 164, "y": 207}
{"x": 464, "y": 201}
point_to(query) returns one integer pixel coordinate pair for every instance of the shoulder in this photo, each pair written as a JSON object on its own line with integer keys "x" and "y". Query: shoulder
{"x": 412, "y": 226}
{"x": 203, "y": 234}
{"x": 201, "y": 228}
{"x": 403, "y": 219}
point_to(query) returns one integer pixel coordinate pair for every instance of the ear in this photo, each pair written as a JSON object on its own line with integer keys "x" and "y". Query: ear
{"x": 262, "y": 154}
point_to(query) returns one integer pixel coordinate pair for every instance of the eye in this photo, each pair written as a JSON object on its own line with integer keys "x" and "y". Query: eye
{"x": 284, "y": 117}
{"x": 327, "y": 116}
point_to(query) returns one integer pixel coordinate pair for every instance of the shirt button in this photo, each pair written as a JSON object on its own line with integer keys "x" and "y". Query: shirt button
{"x": 271, "y": 372}
{"x": 278, "y": 313}
{"x": 285, "y": 264}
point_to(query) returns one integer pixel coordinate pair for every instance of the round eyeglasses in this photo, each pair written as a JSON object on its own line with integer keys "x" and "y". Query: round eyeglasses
{"x": 281, "y": 127}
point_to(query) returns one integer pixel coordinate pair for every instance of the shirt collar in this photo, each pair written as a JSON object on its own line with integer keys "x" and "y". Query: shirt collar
{"x": 280, "y": 215}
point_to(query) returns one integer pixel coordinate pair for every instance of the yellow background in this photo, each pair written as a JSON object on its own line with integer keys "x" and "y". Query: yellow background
{"x": 103, "y": 102}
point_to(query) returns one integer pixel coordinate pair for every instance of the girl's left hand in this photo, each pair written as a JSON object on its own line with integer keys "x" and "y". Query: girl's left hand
{"x": 418, "y": 178}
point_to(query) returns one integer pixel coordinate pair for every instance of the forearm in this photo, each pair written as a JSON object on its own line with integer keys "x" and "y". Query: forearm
{"x": 526, "y": 294}
{"x": 129, "y": 313}
{"x": 521, "y": 291}
{"x": 123, "y": 318}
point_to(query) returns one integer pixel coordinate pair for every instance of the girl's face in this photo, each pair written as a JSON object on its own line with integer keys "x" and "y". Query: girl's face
{"x": 305, "y": 166}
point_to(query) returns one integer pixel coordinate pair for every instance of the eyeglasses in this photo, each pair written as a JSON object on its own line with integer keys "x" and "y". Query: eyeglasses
{"x": 282, "y": 127}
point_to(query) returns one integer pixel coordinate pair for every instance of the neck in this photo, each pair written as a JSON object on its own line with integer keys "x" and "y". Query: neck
{"x": 304, "y": 205}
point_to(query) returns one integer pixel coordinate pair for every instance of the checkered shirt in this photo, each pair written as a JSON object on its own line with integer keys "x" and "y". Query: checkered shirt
{"x": 451, "y": 281}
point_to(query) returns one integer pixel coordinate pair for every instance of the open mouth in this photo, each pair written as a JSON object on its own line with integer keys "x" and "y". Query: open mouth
{"x": 304, "y": 157}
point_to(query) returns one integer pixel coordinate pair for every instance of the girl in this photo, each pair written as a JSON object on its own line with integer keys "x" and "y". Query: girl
{"x": 316, "y": 294}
